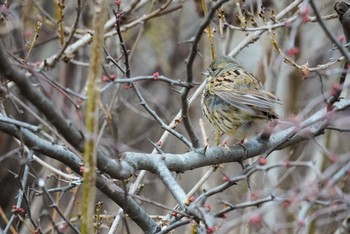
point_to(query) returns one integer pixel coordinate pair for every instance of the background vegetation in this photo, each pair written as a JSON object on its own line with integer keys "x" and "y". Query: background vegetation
{"x": 141, "y": 142}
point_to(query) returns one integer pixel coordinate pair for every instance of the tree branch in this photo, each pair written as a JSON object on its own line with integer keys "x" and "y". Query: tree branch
{"x": 339, "y": 87}
{"x": 41, "y": 102}
{"x": 105, "y": 185}
{"x": 189, "y": 79}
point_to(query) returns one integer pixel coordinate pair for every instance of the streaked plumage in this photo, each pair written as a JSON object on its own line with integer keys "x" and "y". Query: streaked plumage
{"x": 234, "y": 101}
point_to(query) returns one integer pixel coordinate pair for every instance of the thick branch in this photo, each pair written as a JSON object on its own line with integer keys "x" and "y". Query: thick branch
{"x": 105, "y": 185}
{"x": 130, "y": 162}
{"x": 47, "y": 107}
{"x": 41, "y": 102}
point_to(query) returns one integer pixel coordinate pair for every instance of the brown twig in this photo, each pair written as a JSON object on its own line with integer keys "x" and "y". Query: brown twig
{"x": 122, "y": 43}
{"x": 70, "y": 36}
{"x": 137, "y": 91}
{"x": 337, "y": 91}
{"x": 189, "y": 72}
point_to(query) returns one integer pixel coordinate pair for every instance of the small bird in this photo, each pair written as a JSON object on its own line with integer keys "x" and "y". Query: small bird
{"x": 234, "y": 101}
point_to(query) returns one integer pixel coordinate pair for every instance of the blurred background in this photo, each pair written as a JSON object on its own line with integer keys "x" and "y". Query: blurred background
{"x": 161, "y": 44}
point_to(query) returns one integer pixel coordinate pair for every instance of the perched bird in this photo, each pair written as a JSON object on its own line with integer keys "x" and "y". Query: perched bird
{"x": 234, "y": 101}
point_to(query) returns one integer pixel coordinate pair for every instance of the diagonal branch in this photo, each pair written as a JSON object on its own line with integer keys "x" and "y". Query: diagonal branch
{"x": 41, "y": 102}
{"x": 104, "y": 184}
{"x": 311, "y": 127}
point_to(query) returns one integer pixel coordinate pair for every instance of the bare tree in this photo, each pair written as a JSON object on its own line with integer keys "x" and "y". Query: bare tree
{"x": 108, "y": 99}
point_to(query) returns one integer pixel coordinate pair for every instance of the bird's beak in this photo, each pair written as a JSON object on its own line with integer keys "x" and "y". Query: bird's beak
{"x": 205, "y": 73}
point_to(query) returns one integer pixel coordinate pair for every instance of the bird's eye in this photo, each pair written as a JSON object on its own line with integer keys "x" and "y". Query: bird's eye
{"x": 213, "y": 70}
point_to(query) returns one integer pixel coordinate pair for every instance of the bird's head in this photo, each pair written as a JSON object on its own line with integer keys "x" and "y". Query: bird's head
{"x": 220, "y": 65}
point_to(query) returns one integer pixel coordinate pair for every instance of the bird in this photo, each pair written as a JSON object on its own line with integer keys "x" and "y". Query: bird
{"x": 234, "y": 101}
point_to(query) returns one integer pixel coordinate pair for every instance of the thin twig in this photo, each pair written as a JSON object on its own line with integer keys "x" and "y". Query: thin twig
{"x": 255, "y": 35}
{"x": 21, "y": 196}
{"x": 41, "y": 184}
{"x": 20, "y": 123}
{"x": 189, "y": 72}
{"x": 64, "y": 126}
{"x": 138, "y": 93}
{"x": 242, "y": 205}
{"x": 337, "y": 92}
{"x": 269, "y": 27}
{"x": 70, "y": 36}
{"x": 143, "y": 103}
{"x": 122, "y": 43}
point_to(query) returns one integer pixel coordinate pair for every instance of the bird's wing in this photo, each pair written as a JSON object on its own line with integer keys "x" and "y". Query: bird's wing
{"x": 251, "y": 102}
